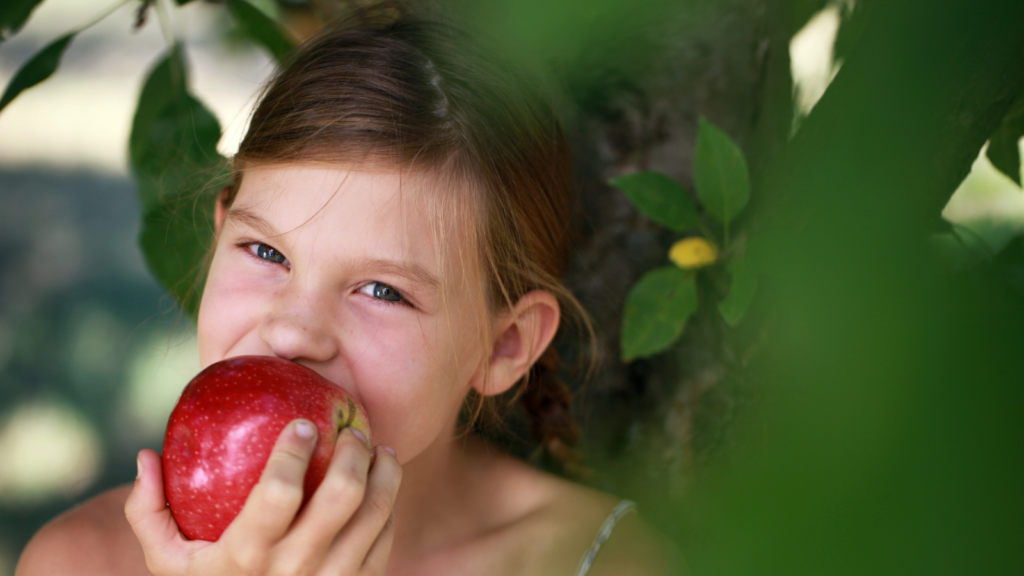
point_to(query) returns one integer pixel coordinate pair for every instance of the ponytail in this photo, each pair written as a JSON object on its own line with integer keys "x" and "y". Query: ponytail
{"x": 548, "y": 402}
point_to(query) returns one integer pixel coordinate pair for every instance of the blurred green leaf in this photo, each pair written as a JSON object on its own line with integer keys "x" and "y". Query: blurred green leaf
{"x": 961, "y": 248}
{"x": 884, "y": 436}
{"x": 175, "y": 240}
{"x": 177, "y": 234}
{"x": 173, "y": 152}
{"x": 268, "y": 7}
{"x": 261, "y": 28}
{"x": 657, "y": 309}
{"x": 661, "y": 198}
{"x": 182, "y": 2}
{"x": 14, "y": 14}
{"x": 179, "y": 153}
{"x": 164, "y": 85}
{"x": 720, "y": 173}
{"x": 38, "y": 68}
{"x": 741, "y": 292}
{"x": 855, "y": 19}
{"x": 539, "y": 34}
{"x": 1002, "y": 145}
{"x": 173, "y": 144}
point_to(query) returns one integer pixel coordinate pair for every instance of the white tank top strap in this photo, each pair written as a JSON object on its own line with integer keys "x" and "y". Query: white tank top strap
{"x": 620, "y": 510}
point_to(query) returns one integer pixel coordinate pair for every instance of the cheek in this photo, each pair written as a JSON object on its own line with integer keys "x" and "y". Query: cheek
{"x": 411, "y": 391}
{"x": 229, "y": 310}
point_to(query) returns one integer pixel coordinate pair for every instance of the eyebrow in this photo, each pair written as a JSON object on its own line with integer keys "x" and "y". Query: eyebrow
{"x": 252, "y": 220}
{"x": 409, "y": 270}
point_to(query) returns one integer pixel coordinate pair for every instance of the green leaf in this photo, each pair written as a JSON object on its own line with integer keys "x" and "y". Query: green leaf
{"x": 164, "y": 86}
{"x": 961, "y": 248}
{"x": 177, "y": 169}
{"x": 741, "y": 293}
{"x": 855, "y": 20}
{"x": 661, "y": 198}
{"x": 175, "y": 241}
{"x": 165, "y": 82}
{"x": 657, "y": 309}
{"x": 14, "y": 14}
{"x": 268, "y": 7}
{"x": 179, "y": 154}
{"x": 720, "y": 173}
{"x": 38, "y": 68}
{"x": 1003, "y": 150}
{"x": 181, "y": 169}
{"x": 261, "y": 28}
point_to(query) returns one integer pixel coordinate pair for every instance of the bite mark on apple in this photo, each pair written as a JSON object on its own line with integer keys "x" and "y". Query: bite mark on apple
{"x": 351, "y": 415}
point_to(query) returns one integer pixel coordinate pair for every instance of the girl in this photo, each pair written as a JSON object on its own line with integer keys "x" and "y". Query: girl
{"x": 398, "y": 223}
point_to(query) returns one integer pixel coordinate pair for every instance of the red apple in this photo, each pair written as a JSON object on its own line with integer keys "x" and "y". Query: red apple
{"x": 221, "y": 433}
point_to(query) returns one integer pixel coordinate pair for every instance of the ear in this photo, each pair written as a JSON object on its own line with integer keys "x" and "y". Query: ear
{"x": 520, "y": 337}
{"x": 220, "y": 210}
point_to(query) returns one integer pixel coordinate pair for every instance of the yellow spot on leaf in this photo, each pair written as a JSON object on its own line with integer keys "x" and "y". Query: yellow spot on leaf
{"x": 693, "y": 252}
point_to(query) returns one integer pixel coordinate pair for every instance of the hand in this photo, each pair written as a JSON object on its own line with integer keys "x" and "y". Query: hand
{"x": 346, "y": 529}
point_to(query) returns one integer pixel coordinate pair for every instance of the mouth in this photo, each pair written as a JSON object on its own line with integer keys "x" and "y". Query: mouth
{"x": 331, "y": 378}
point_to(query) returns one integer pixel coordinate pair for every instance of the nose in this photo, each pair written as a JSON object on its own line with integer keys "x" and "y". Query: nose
{"x": 298, "y": 328}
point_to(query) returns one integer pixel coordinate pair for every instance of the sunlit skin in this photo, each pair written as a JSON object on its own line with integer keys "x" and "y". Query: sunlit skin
{"x": 306, "y": 261}
{"x": 336, "y": 268}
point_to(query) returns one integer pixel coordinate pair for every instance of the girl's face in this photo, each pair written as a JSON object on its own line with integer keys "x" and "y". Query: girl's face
{"x": 338, "y": 270}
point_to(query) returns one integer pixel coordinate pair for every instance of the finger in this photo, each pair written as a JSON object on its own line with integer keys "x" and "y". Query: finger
{"x": 338, "y": 496}
{"x": 377, "y": 558}
{"x": 274, "y": 500}
{"x": 150, "y": 518}
{"x": 371, "y": 521}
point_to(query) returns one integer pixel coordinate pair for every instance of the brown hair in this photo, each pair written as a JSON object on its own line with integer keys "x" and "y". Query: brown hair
{"x": 388, "y": 87}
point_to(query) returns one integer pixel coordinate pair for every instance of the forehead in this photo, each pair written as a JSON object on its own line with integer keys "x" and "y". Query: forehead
{"x": 298, "y": 194}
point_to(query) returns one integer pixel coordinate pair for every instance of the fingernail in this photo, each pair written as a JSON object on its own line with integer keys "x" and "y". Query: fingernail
{"x": 358, "y": 434}
{"x": 305, "y": 429}
{"x": 138, "y": 463}
{"x": 390, "y": 451}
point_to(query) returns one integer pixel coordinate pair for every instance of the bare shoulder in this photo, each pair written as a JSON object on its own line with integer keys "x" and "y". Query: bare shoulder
{"x": 92, "y": 538}
{"x": 567, "y": 519}
{"x": 635, "y": 547}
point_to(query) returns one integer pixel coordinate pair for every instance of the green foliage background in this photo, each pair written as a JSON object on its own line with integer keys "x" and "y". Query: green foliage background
{"x": 863, "y": 414}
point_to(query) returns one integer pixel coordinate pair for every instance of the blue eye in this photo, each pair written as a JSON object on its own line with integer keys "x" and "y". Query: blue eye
{"x": 268, "y": 253}
{"x": 382, "y": 292}
{"x": 385, "y": 292}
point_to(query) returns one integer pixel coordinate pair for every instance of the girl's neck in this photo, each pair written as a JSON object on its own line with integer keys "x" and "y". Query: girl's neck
{"x": 447, "y": 493}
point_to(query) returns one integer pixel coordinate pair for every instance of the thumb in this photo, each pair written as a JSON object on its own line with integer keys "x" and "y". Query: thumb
{"x": 150, "y": 518}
